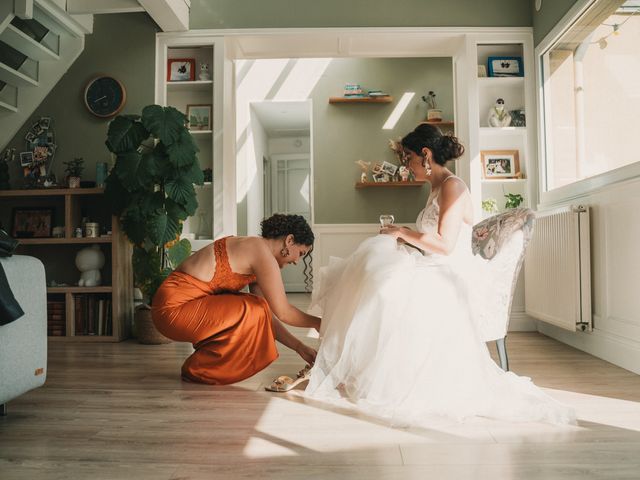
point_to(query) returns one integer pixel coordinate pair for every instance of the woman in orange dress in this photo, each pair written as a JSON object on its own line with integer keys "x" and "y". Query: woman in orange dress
{"x": 234, "y": 332}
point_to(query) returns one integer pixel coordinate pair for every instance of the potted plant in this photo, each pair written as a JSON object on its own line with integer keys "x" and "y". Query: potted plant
{"x": 513, "y": 200}
{"x": 489, "y": 206}
{"x": 151, "y": 190}
{"x": 434, "y": 114}
{"x": 73, "y": 171}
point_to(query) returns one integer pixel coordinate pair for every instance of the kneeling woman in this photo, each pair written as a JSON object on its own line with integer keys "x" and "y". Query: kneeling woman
{"x": 233, "y": 332}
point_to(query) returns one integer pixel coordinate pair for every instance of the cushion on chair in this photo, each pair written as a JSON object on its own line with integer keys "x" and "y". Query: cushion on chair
{"x": 491, "y": 234}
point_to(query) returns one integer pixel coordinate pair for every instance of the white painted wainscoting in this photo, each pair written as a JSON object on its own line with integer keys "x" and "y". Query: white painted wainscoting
{"x": 615, "y": 274}
{"x": 340, "y": 240}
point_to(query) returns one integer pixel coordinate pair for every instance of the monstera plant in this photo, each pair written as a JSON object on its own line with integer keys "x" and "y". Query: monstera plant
{"x": 151, "y": 189}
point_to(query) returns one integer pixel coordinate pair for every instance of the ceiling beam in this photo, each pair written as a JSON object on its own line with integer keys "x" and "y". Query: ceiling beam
{"x": 170, "y": 15}
{"x": 78, "y": 7}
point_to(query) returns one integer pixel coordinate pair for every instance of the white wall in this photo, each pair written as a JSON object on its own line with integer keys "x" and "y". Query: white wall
{"x": 254, "y": 159}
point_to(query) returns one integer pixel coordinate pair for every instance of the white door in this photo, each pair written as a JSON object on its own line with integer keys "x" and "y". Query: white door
{"x": 291, "y": 193}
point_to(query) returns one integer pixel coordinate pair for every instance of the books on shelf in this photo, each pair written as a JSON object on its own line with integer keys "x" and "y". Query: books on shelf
{"x": 56, "y": 319}
{"x": 93, "y": 315}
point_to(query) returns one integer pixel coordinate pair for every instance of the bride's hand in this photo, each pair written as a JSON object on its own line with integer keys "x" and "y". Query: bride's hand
{"x": 395, "y": 232}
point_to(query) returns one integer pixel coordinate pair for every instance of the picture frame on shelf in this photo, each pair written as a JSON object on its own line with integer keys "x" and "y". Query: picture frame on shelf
{"x": 181, "y": 69}
{"x": 505, "y": 67}
{"x": 26, "y": 159}
{"x": 32, "y": 222}
{"x": 500, "y": 164}
{"x": 389, "y": 168}
{"x": 199, "y": 116}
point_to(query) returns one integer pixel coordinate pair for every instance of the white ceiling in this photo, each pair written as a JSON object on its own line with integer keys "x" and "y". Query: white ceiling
{"x": 284, "y": 119}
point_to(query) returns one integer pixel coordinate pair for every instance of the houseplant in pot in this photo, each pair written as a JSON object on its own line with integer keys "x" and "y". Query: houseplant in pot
{"x": 73, "y": 171}
{"x": 151, "y": 190}
{"x": 434, "y": 114}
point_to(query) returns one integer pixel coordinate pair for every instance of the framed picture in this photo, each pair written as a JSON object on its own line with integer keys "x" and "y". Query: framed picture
{"x": 181, "y": 69}
{"x": 500, "y": 164}
{"x": 26, "y": 159}
{"x": 389, "y": 168}
{"x": 505, "y": 67}
{"x": 32, "y": 222}
{"x": 199, "y": 117}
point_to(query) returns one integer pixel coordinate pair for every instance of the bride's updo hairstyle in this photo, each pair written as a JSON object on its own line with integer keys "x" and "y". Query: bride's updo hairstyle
{"x": 281, "y": 225}
{"x": 443, "y": 147}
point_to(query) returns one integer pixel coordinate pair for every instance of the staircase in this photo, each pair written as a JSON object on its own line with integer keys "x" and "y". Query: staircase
{"x": 39, "y": 41}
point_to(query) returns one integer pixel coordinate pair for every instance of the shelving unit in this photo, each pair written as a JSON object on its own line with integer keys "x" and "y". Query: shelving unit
{"x": 388, "y": 184}
{"x": 512, "y": 90}
{"x": 74, "y": 312}
{"x": 200, "y": 228}
{"x": 386, "y": 99}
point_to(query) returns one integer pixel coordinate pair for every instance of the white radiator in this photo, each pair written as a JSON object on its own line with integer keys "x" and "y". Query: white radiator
{"x": 558, "y": 269}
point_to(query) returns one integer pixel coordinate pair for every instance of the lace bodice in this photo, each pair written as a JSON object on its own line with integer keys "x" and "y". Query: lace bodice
{"x": 427, "y": 222}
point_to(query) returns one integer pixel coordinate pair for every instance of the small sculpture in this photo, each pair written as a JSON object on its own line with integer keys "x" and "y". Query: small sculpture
{"x": 89, "y": 261}
{"x": 365, "y": 169}
{"x": 498, "y": 115}
{"x": 404, "y": 173}
{"x": 204, "y": 72}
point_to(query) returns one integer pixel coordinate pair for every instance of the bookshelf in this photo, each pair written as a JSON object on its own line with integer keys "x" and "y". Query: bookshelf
{"x": 85, "y": 314}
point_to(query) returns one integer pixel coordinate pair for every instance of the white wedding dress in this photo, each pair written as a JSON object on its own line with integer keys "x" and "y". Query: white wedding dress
{"x": 398, "y": 338}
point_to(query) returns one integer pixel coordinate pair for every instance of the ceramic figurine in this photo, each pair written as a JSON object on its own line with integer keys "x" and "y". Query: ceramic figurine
{"x": 89, "y": 261}
{"x": 204, "y": 72}
{"x": 498, "y": 115}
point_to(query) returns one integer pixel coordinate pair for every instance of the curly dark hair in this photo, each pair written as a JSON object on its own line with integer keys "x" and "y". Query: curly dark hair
{"x": 443, "y": 147}
{"x": 280, "y": 225}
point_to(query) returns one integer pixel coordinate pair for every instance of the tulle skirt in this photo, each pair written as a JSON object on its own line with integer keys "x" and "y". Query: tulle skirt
{"x": 398, "y": 341}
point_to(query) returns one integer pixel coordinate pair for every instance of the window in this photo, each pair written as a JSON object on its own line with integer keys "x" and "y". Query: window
{"x": 591, "y": 95}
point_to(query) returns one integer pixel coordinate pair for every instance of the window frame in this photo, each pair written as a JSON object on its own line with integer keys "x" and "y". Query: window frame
{"x": 589, "y": 185}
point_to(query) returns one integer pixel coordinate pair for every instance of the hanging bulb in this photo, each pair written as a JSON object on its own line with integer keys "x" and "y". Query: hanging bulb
{"x": 602, "y": 43}
{"x": 616, "y": 29}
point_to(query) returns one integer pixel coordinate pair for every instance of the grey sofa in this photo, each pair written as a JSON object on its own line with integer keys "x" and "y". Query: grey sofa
{"x": 23, "y": 342}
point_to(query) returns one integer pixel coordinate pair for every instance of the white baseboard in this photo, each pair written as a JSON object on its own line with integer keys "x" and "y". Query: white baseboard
{"x": 620, "y": 351}
{"x": 521, "y": 322}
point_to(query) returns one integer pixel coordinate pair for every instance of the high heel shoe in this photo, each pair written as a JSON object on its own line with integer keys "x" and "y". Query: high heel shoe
{"x": 284, "y": 383}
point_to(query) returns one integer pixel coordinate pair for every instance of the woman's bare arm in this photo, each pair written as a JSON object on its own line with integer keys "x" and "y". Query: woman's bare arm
{"x": 452, "y": 209}
{"x": 269, "y": 281}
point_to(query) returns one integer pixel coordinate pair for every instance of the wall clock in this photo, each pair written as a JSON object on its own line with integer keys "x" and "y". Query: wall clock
{"x": 104, "y": 96}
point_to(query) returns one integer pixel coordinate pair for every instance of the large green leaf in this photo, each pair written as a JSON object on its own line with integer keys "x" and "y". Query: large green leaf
{"x": 130, "y": 170}
{"x": 134, "y": 224}
{"x": 183, "y": 151}
{"x": 180, "y": 190}
{"x": 125, "y": 135}
{"x": 165, "y": 123}
{"x": 194, "y": 173}
{"x": 179, "y": 252}
{"x": 177, "y": 211}
{"x": 163, "y": 229}
{"x": 117, "y": 196}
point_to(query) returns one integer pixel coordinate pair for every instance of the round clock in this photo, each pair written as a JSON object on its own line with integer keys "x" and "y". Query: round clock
{"x": 104, "y": 96}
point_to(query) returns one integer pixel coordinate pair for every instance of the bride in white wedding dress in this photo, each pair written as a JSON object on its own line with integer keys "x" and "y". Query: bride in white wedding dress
{"x": 397, "y": 335}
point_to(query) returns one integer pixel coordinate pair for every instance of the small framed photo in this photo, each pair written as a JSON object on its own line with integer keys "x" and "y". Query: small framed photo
{"x": 32, "y": 222}
{"x": 199, "y": 117}
{"x": 500, "y": 164}
{"x": 30, "y": 137}
{"x": 45, "y": 122}
{"x": 181, "y": 69}
{"x": 505, "y": 67}
{"x": 26, "y": 159}
{"x": 380, "y": 177}
{"x": 389, "y": 168}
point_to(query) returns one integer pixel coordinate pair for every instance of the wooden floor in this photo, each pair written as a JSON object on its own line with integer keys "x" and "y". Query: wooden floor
{"x": 120, "y": 411}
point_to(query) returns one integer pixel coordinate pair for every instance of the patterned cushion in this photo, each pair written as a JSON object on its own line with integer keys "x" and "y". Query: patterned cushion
{"x": 491, "y": 234}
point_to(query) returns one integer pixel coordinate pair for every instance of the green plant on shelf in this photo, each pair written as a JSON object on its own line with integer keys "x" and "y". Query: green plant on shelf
{"x": 490, "y": 205}
{"x": 514, "y": 200}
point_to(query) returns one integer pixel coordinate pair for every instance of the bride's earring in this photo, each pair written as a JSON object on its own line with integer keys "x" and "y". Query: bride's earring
{"x": 426, "y": 166}
{"x": 284, "y": 252}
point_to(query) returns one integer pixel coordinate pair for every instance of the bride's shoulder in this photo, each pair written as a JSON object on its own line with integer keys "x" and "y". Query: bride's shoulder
{"x": 454, "y": 188}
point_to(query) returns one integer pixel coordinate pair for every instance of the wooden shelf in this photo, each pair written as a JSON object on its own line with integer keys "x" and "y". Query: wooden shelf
{"x": 389, "y": 184}
{"x": 203, "y": 85}
{"x": 386, "y": 99}
{"x": 63, "y": 241}
{"x": 504, "y": 180}
{"x": 42, "y": 192}
{"x": 438, "y": 124}
{"x": 76, "y": 289}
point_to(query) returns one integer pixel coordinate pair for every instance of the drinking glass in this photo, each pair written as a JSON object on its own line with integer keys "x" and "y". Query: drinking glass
{"x": 386, "y": 220}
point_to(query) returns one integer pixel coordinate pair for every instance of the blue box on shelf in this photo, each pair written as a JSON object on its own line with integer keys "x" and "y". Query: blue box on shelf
{"x": 505, "y": 67}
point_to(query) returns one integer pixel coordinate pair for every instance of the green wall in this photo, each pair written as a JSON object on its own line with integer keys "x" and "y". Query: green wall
{"x": 549, "y": 15}
{"x": 359, "y": 13}
{"x": 344, "y": 133}
{"x": 123, "y": 46}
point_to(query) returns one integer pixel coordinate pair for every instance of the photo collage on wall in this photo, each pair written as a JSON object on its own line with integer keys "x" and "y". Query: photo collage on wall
{"x": 40, "y": 148}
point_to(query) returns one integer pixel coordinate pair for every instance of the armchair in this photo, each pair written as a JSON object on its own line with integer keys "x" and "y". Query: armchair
{"x": 23, "y": 342}
{"x": 501, "y": 240}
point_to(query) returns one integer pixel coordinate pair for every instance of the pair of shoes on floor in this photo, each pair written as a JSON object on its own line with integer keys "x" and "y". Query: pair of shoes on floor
{"x": 284, "y": 383}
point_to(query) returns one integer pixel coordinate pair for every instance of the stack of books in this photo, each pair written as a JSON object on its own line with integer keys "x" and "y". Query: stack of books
{"x": 353, "y": 90}
{"x": 56, "y": 318}
{"x": 377, "y": 93}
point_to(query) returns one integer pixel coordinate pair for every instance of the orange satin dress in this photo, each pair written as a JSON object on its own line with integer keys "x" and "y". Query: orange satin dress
{"x": 231, "y": 331}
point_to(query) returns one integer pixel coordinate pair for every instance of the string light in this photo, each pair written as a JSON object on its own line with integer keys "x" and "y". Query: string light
{"x": 615, "y": 30}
